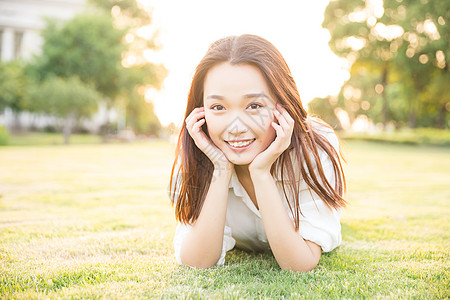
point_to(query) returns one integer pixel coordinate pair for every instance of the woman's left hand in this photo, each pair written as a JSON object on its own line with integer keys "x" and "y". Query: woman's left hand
{"x": 264, "y": 161}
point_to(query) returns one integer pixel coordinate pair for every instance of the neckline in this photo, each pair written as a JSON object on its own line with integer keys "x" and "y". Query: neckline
{"x": 240, "y": 191}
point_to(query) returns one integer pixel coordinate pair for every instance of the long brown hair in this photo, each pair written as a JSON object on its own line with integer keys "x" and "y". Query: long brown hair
{"x": 190, "y": 184}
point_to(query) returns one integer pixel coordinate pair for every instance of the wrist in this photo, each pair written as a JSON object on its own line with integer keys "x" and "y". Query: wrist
{"x": 258, "y": 174}
{"x": 223, "y": 170}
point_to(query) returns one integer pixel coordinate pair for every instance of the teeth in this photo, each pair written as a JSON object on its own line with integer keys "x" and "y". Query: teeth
{"x": 240, "y": 144}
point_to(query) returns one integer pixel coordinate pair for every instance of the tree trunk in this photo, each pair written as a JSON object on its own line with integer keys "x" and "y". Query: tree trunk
{"x": 16, "y": 126}
{"x": 441, "y": 119}
{"x": 412, "y": 116}
{"x": 69, "y": 122}
{"x": 383, "y": 95}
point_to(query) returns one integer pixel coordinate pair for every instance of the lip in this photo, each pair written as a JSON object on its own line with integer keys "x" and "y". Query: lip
{"x": 240, "y": 149}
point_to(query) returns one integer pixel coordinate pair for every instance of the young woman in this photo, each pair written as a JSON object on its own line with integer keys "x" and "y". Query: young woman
{"x": 252, "y": 169}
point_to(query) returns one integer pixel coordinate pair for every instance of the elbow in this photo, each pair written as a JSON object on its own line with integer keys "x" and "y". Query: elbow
{"x": 192, "y": 255}
{"x": 198, "y": 262}
{"x": 300, "y": 268}
{"x": 201, "y": 266}
{"x": 300, "y": 265}
{"x": 305, "y": 263}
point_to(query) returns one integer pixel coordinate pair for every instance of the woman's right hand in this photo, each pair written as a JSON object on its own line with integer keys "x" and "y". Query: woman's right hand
{"x": 194, "y": 122}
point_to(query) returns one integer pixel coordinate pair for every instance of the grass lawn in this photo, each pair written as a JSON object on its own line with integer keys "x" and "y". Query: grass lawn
{"x": 94, "y": 221}
{"x": 45, "y": 138}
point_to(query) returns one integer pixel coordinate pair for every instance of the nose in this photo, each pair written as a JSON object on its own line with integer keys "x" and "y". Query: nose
{"x": 236, "y": 128}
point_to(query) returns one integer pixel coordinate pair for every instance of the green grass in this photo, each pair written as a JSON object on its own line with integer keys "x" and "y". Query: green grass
{"x": 418, "y": 136}
{"x": 94, "y": 221}
{"x": 45, "y": 138}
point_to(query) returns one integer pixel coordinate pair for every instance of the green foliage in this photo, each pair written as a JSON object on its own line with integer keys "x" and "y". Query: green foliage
{"x": 88, "y": 46}
{"x": 405, "y": 44}
{"x": 141, "y": 116}
{"x": 128, "y": 8}
{"x": 64, "y": 97}
{"x": 93, "y": 48}
{"x": 322, "y": 108}
{"x": 4, "y": 137}
{"x": 13, "y": 82}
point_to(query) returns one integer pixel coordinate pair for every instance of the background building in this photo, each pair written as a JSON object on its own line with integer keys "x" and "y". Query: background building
{"x": 21, "y": 22}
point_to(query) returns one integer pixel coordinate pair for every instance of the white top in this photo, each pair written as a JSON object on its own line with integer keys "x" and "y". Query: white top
{"x": 244, "y": 227}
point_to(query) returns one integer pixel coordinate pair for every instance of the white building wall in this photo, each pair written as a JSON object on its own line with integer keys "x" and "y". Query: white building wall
{"x": 26, "y": 18}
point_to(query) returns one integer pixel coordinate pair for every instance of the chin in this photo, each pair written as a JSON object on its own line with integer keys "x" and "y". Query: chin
{"x": 240, "y": 159}
{"x": 240, "y": 163}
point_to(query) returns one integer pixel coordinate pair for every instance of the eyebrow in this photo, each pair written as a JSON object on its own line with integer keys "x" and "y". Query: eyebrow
{"x": 246, "y": 96}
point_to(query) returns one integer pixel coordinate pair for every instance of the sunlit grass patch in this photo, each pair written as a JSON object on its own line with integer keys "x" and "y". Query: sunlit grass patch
{"x": 95, "y": 221}
{"x": 45, "y": 138}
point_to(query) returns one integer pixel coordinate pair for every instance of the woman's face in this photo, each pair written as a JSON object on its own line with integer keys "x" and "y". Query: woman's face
{"x": 238, "y": 111}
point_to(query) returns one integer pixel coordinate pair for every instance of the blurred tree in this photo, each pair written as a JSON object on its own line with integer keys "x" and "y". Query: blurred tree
{"x": 13, "y": 83}
{"x": 351, "y": 24}
{"x": 98, "y": 50}
{"x": 144, "y": 120}
{"x": 424, "y": 56}
{"x": 324, "y": 108}
{"x": 139, "y": 72}
{"x": 365, "y": 93}
{"x": 88, "y": 46}
{"x": 405, "y": 40}
{"x": 68, "y": 98}
{"x": 137, "y": 113}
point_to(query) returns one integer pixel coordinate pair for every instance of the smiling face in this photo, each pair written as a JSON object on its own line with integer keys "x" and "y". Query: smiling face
{"x": 238, "y": 111}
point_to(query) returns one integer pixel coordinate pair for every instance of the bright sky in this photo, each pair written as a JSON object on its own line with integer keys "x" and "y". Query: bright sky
{"x": 187, "y": 28}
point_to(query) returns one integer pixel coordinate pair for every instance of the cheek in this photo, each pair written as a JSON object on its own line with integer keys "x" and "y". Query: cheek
{"x": 269, "y": 136}
{"x": 263, "y": 122}
{"x": 213, "y": 129}
{"x": 268, "y": 133}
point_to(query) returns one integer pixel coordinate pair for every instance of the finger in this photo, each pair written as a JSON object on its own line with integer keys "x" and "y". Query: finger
{"x": 194, "y": 118}
{"x": 190, "y": 115}
{"x": 193, "y": 113}
{"x": 199, "y": 137}
{"x": 197, "y": 125}
{"x": 285, "y": 114}
{"x": 281, "y": 119}
{"x": 279, "y": 130}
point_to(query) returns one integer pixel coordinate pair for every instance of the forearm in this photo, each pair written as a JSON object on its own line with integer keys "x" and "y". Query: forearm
{"x": 202, "y": 247}
{"x": 291, "y": 251}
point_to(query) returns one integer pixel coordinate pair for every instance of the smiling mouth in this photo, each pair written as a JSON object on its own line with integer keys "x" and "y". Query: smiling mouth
{"x": 241, "y": 143}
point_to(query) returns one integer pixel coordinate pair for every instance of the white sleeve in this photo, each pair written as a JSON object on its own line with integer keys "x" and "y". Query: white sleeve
{"x": 182, "y": 231}
{"x": 319, "y": 223}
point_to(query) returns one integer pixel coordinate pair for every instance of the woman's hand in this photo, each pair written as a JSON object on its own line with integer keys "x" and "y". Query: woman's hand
{"x": 194, "y": 122}
{"x": 264, "y": 161}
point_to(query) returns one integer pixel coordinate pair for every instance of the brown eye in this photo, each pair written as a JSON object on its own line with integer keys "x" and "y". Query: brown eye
{"x": 255, "y": 106}
{"x": 217, "y": 107}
